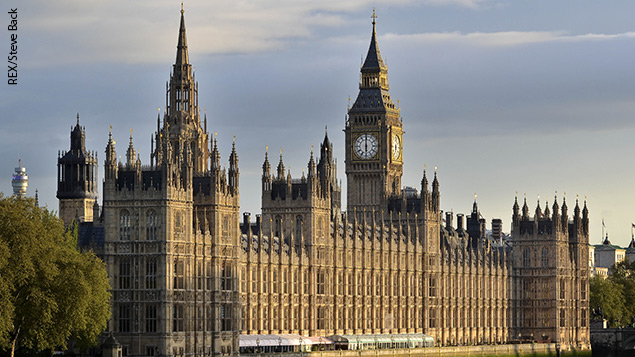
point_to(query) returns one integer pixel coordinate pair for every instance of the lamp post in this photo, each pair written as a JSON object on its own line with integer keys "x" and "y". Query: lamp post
{"x": 258, "y": 344}
{"x": 279, "y": 345}
{"x": 408, "y": 345}
{"x": 301, "y": 341}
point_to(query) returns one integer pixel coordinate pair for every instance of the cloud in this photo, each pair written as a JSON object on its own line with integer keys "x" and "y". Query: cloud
{"x": 502, "y": 38}
{"x": 72, "y": 32}
{"x": 473, "y": 4}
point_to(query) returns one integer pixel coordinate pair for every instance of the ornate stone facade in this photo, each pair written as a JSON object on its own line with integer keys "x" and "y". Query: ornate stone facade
{"x": 188, "y": 279}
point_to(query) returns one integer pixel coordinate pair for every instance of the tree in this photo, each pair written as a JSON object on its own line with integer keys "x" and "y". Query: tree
{"x": 49, "y": 291}
{"x": 607, "y": 300}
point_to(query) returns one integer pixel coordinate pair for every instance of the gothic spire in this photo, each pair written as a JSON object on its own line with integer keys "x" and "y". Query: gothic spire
{"x": 311, "y": 165}
{"x": 130, "y": 154}
{"x": 182, "y": 88}
{"x": 215, "y": 156}
{"x": 182, "y": 58}
{"x": 373, "y": 58}
{"x": 373, "y": 94}
{"x": 78, "y": 139}
{"x": 266, "y": 167}
{"x": 280, "y": 167}
{"x": 233, "y": 157}
{"x": 525, "y": 209}
{"x": 424, "y": 181}
{"x": 111, "y": 156}
{"x": 555, "y": 208}
{"x": 233, "y": 168}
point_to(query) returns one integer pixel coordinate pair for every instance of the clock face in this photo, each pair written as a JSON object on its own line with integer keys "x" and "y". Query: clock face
{"x": 366, "y": 146}
{"x": 396, "y": 147}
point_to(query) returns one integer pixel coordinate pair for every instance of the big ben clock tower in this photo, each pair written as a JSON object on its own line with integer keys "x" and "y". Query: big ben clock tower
{"x": 374, "y": 157}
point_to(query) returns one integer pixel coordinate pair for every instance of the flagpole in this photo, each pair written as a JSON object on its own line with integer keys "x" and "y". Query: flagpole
{"x": 602, "y": 237}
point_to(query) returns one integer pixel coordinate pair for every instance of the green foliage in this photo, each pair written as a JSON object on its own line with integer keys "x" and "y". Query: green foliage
{"x": 612, "y": 298}
{"x": 49, "y": 291}
{"x": 607, "y": 300}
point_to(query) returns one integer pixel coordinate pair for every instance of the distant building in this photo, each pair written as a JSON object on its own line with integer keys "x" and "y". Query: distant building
{"x": 607, "y": 255}
{"x": 497, "y": 229}
{"x": 20, "y": 180}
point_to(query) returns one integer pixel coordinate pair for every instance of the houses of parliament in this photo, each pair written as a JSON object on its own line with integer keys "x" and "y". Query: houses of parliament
{"x": 190, "y": 276}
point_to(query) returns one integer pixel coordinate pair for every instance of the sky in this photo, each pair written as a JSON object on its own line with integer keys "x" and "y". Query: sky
{"x": 504, "y": 97}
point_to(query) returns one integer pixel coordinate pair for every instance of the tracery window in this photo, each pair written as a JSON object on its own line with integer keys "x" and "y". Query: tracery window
{"x": 124, "y": 318}
{"x": 179, "y": 274}
{"x": 526, "y": 258}
{"x": 225, "y": 227}
{"x": 298, "y": 230}
{"x": 124, "y": 274}
{"x": 226, "y": 277}
{"x": 320, "y": 282}
{"x": 545, "y": 257}
{"x": 277, "y": 230}
{"x": 178, "y": 316}
{"x": 152, "y": 225}
{"x": 124, "y": 225}
{"x": 151, "y": 318}
{"x": 178, "y": 222}
{"x": 433, "y": 287}
{"x": 226, "y": 317}
{"x": 151, "y": 273}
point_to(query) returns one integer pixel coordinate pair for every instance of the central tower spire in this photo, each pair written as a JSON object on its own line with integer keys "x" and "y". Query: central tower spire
{"x": 181, "y": 48}
{"x": 183, "y": 89}
{"x": 181, "y": 122}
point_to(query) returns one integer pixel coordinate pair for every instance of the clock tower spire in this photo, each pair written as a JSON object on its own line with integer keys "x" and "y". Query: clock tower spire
{"x": 374, "y": 163}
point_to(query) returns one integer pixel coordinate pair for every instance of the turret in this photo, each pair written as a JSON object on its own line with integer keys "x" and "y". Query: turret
{"x": 311, "y": 172}
{"x": 555, "y": 217}
{"x": 565, "y": 214}
{"x": 233, "y": 169}
{"x": 266, "y": 173}
{"x": 516, "y": 211}
{"x": 436, "y": 196}
{"x": 525, "y": 210}
{"x": 77, "y": 178}
{"x": 216, "y": 174}
{"x": 130, "y": 153}
{"x": 280, "y": 169}
{"x": 110, "y": 164}
{"x": 326, "y": 166}
{"x": 538, "y": 213}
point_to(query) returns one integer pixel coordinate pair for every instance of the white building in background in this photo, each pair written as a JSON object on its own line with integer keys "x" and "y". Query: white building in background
{"x": 605, "y": 256}
{"x": 20, "y": 180}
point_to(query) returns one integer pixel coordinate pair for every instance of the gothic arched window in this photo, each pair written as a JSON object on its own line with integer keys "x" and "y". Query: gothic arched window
{"x": 526, "y": 258}
{"x": 277, "y": 231}
{"x": 298, "y": 230}
{"x": 152, "y": 225}
{"x": 124, "y": 225}
{"x": 545, "y": 257}
{"x": 226, "y": 276}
